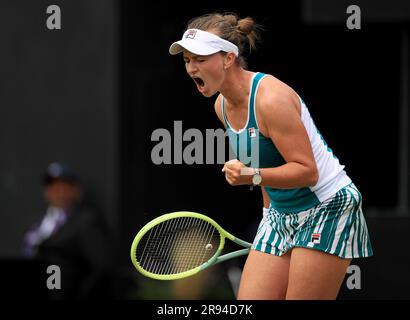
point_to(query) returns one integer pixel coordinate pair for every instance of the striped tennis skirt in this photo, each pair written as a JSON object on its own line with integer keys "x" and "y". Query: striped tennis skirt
{"x": 336, "y": 226}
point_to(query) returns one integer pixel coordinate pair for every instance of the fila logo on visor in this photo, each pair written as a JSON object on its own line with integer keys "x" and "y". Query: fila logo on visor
{"x": 190, "y": 34}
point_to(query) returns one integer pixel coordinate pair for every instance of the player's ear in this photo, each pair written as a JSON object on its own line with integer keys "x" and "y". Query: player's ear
{"x": 229, "y": 59}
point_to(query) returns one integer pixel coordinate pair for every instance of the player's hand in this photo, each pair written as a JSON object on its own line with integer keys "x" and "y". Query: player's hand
{"x": 236, "y": 173}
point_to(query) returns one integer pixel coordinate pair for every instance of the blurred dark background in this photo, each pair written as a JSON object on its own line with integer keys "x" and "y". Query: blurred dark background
{"x": 92, "y": 93}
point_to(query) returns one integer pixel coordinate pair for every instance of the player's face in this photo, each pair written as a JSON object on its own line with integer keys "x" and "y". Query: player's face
{"x": 206, "y": 71}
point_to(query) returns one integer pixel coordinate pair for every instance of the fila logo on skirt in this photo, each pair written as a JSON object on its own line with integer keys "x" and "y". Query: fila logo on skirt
{"x": 315, "y": 238}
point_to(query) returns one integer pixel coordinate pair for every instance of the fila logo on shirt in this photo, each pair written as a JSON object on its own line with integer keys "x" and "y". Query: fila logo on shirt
{"x": 315, "y": 238}
{"x": 252, "y": 132}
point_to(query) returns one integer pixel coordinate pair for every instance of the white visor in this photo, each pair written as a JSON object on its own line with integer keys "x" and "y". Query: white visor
{"x": 202, "y": 43}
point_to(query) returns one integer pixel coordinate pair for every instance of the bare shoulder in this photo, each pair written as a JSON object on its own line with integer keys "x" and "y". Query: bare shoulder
{"x": 276, "y": 99}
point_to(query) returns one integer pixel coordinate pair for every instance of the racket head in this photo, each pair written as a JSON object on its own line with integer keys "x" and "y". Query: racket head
{"x": 177, "y": 245}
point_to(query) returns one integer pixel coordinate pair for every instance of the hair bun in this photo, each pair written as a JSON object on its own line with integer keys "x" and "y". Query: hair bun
{"x": 246, "y": 25}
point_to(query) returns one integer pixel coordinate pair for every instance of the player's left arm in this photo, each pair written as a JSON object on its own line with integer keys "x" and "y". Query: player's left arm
{"x": 285, "y": 128}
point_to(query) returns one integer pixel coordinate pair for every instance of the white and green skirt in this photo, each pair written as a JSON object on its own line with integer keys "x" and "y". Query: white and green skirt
{"x": 336, "y": 226}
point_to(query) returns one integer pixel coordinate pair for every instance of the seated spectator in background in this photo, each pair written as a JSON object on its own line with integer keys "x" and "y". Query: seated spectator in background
{"x": 70, "y": 236}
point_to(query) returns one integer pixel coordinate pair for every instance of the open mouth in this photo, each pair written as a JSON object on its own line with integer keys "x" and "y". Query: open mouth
{"x": 199, "y": 81}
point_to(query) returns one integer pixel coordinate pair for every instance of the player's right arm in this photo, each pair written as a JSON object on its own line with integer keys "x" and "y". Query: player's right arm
{"x": 218, "y": 111}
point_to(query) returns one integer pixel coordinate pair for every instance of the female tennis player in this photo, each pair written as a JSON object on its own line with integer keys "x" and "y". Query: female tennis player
{"x": 312, "y": 223}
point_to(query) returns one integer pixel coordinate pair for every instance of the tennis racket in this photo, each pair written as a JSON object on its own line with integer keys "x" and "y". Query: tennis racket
{"x": 180, "y": 244}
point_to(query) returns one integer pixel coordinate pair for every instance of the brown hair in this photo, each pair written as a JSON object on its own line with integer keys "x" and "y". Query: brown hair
{"x": 244, "y": 33}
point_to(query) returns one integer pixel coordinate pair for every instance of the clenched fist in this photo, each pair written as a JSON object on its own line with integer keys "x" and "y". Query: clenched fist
{"x": 236, "y": 173}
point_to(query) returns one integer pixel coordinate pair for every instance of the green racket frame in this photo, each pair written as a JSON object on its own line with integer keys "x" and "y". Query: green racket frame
{"x": 217, "y": 258}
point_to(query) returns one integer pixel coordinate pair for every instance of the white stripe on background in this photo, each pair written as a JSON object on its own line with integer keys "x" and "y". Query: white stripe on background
{"x": 349, "y": 240}
{"x": 356, "y": 236}
{"x": 266, "y": 236}
{"x": 340, "y": 226}
{"x": 364, "y": 231}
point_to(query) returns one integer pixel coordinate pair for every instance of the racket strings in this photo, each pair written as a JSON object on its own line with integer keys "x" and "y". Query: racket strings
{"x": 177, "y": 245}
